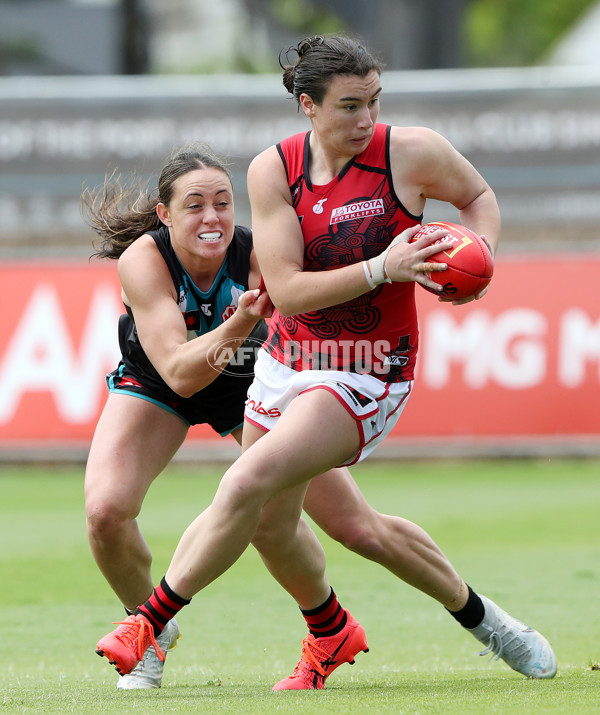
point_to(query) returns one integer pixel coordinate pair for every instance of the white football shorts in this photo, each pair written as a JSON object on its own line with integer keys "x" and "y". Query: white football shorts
{"x": 375, "y": 405}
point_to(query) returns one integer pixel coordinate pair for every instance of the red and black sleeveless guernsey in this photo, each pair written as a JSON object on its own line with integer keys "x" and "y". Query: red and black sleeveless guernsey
{"x": 351, "y": 219}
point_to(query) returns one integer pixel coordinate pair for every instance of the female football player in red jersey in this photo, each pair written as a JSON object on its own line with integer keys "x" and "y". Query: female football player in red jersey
{"x": 333, "y": 213}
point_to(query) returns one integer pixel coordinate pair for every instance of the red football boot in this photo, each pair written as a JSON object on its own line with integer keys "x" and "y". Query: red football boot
{"x": 321, "y": 656}
{"x": 125, "y": 646}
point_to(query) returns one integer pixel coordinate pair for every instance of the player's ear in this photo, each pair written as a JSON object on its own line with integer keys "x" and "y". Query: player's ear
{"x": 162, "y": 211}
{"x": 308, "y": 106}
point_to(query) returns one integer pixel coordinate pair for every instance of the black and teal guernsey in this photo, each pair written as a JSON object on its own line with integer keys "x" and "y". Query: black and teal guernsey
{"x": 221, "y": 403}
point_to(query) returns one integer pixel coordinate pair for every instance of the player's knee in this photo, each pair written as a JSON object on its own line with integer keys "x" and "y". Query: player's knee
{"x": 105, "y": 520}
{"x": 366, "y": 543}
{"x": 246, "y": 485}
{"x": 273, "y": 538}
{"x": 265, "y": 539}
{"x": 360, "y": 537}
{"x": 353, "y": 535}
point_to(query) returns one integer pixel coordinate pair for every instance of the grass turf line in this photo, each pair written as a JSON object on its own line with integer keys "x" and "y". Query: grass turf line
{"x": 522, "y": 532}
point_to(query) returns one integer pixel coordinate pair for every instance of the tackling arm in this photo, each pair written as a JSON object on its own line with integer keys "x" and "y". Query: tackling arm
{"x": 187, "y": 366}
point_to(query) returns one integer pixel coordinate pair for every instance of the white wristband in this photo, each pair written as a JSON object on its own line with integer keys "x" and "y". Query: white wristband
{"x": 368, "y": 276}
{"x": 375, "y": 267}
{"x": 375, "y": 272}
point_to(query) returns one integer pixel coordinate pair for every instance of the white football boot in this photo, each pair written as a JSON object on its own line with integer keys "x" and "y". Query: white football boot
{"x": 148, "y": 672}
{"x": 522, "y": 648}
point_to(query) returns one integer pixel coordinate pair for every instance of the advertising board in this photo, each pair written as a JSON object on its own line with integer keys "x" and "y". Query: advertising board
{"x": 523, "y": 362}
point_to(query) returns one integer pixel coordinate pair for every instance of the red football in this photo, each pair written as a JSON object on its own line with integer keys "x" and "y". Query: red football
{"x": 470, "y": 264}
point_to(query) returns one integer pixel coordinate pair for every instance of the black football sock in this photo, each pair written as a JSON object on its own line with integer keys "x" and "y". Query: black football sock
{"x": 472, "y": 613}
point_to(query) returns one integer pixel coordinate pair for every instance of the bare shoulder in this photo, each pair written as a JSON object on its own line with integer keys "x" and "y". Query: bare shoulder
{"x": 266, "y": 158}
{"x": 420, "y": 158}
{"x": 142, "y": 249}
{"x": 266, "y": 169}
{"x": 140, "y": 264}
{"x": 416, "y": 141}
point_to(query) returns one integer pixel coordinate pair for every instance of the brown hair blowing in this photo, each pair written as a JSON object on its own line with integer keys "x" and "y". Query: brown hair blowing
{"x": 124, "y": 208}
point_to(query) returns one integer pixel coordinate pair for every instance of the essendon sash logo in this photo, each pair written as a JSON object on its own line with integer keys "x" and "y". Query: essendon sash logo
{"x": 358, "y": 209}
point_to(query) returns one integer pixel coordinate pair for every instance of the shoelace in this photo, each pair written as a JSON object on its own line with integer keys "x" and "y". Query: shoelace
{"x": 140, "y": 626}
{"x": 310, "y": 653}
{"x": 146, "y": 663}
{"x": 497, "y": 646}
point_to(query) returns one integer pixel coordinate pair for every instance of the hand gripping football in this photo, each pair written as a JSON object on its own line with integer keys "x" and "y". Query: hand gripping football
{"x": 470, "y": 264}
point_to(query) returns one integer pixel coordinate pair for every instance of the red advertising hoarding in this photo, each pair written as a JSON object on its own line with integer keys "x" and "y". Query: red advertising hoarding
{"x": 522, "y": 362}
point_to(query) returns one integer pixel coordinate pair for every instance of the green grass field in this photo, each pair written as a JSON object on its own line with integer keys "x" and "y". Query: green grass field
{"x": 525, "y": 533}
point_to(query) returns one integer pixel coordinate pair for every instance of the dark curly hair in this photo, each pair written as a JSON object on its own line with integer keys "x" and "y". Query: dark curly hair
{"x": 321, "y": 57}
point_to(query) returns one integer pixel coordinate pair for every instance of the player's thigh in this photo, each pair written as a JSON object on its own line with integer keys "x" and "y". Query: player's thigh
{"x": 314, "y": 434}
{"x": 134, "y": 441}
